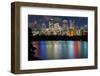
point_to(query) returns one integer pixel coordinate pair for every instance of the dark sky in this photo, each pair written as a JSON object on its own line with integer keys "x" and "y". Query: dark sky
{"x": 79, "y": 21}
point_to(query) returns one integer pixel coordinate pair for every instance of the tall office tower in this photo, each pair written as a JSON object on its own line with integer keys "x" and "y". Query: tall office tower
{"x": 51, "y": 22}
{"x": 82, "y": 31}
{"x": 72, "y": 28}
{"x": 35, "y": 28}
{"x": 50, "y": 27}
{"x": 57, "y": 29}
{"x": 64, "y": 27}
{"x": 78, "y": 31}
{"x": 85, "y": 32}
{"x": 43, "y": 28}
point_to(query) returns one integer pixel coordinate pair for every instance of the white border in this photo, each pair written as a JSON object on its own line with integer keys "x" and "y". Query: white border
{"x": 25, "y": 64}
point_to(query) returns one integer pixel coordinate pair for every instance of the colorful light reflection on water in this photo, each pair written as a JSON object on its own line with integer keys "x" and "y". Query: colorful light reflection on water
{"x": 61, "y": 49}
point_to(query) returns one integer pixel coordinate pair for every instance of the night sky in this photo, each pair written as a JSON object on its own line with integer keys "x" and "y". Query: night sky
{"x": 79, "y": 21}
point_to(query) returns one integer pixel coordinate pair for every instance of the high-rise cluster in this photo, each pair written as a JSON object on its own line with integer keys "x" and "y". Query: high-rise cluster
{"x": 66, "y": 28}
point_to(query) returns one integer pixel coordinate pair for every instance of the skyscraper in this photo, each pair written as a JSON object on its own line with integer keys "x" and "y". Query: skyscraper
{"x": 64, "y": 27}
{"x": 72, "y": 28}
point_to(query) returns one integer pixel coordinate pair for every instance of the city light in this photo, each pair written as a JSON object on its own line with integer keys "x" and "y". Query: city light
{"x": 55, "y": 28}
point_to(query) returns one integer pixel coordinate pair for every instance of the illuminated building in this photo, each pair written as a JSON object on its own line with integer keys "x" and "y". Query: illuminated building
{"x": 51, "y": 22}
{"x": 85, "y": 33}
{"x": 78, "y": 31}
{"x": 64, "y": 27}
{"x": 57, "y": 29}
{"x": 71, "y": 28}
{"x": 82, "y": 31}
{"x": 43, "y": 29}
{"x": 50, "y": 28}
{"x": 35, "y": 28}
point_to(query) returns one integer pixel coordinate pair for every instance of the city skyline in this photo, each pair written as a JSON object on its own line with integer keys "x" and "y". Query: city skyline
{"x": 57, "y": 37}
{"x": 58, "y": 25}
{"x": 79, "y": 21}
